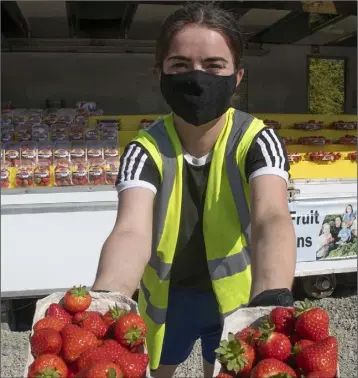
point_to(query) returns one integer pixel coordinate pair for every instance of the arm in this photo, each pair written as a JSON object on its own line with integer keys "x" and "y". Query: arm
{"x": 127, "y": 250}
{"x": 273, "y": 237}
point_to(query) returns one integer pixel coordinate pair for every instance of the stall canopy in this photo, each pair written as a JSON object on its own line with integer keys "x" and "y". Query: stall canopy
{"x": 122, "y": 26}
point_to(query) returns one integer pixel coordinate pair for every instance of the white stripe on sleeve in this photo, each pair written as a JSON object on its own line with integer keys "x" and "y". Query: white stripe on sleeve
{"x": 280, "y": 150}
{"x": 125, "y": 160}
{"x": 264, "y": 152}
{"x": 131, "y": 163}
{"x": 140, "y": 166}
{"x": 272, "y": 147}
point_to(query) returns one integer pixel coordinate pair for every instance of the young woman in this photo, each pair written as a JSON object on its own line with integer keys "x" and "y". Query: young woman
{"x": 194, "y": 189}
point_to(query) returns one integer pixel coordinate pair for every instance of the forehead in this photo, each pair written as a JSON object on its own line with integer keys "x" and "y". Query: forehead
{"x": 198, "y": 42}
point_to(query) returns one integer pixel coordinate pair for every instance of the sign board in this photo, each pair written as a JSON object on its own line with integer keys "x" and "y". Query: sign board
{"x": 325, "y": 228}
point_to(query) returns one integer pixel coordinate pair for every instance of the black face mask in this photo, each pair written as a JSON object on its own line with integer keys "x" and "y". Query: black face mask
{"x": 198, "y": 97}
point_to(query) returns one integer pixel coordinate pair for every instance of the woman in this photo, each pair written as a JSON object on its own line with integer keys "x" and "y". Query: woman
{"x": 187, "y": 186}
{"x": 349, "y": 215}
{"x": 335, "y": 229}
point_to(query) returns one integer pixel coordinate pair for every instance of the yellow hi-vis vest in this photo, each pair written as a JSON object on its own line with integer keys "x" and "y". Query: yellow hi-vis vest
{"x": 226, "y": 224}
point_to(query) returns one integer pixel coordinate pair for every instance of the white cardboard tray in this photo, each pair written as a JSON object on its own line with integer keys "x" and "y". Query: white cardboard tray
{"x": 242, "y": 318}
{"x": 100, "y": 302}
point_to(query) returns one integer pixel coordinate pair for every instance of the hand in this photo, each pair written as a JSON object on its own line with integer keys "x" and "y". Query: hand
{"x": 274, "y": 297}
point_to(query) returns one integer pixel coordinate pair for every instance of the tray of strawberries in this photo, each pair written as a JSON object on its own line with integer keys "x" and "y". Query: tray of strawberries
{"x": 267, "y": 342}
{"x": 82, "y": 334}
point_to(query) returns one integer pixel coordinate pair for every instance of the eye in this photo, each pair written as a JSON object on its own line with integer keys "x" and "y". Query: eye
{"x": 180, "y": 65}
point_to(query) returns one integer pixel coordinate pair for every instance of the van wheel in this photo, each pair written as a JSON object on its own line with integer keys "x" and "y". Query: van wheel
{"x": 319, "y": 287}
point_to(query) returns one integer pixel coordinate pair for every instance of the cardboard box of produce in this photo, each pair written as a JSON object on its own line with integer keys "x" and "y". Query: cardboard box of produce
{"x": 255, "y": 317}
{"x": 100, "y": 302}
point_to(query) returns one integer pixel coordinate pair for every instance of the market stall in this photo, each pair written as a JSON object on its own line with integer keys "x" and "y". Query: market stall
{"x": 59, "y": 204}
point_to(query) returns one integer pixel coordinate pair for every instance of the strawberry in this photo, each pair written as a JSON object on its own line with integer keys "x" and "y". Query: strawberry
{"x": 72, "y": 370}
{"x": 321, "y": 356}
{"x": 282, "y": 318}
{"x": 300, "y": 345}
{"x": 48, "y": 365}
{"x": 49, "y": 322}
{"x": 113, "y": 349}
{"x": 294, "y": 338}
{"x": 77, "y": 299}
{"x": 133, "y": 365}
{"x": 112, "y": 315}
{"x": 271, "y": 367}
{"x": 76, "y": 340}
{"x": 92, "y": 356}
{"x": 224, "y": 375}
{"x": 104, "y": 370}
{"x": 273, "y": 345}
{"x": 249, "y": 335}
{"x": 46, "y": 340}
{"x": 312, "y": 323}
{"x": 317, "y": 374}
{"x": 236, "y": 355}
{"x": 130, "y": 330}
{"x": 92, "y": 321}
{"x": 57, "y": 311}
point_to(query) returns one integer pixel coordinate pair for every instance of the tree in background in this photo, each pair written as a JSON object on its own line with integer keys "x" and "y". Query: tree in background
{"x": 326, "y": 86}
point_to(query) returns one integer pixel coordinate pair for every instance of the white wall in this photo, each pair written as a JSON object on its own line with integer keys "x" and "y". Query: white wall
{"x": 125, "y": 84}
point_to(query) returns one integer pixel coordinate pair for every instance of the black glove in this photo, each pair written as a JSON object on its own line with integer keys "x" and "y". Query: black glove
{"x": 274, "y": 297}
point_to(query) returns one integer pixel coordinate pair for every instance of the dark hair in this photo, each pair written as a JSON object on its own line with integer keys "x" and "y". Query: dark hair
{"x": 208, "y": 15}
{"x": 349, "y": 205}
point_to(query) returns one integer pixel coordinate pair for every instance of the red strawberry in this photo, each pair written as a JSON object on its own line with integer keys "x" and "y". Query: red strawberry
{"x": 283, "y": 319}
{"x": 49, "y": 322}
{"x": 112, "y": 315}
{"x": 236, "y": 355}
{"x": 77, "y": 299}
{"x": 300, "y": 345}
{"x": 317, "y": 374}
{"x": 76, "y": 340}
{"x": 104, "y": 370}
{"x": 130, "y": 330}
{"x": 274, "y": 345}
{"x": 57, "y": 311}
{"x": 92, "y": 321}
{"x": 133, "y": 365}
{"x": 46, "y": 340}
{"x": 48, "y": 365}
{"x": 272, "y": 368}
{"x": 92, "y": 356}
{"x": 321, "y": 356}
{"x": 113, "y": 349}
{"x": 249, "y": 335}
{"x": 72, "y": 370}
{"x": 294, "y": 338}
{"x": 312, "y": 323}
{"x": 224, "y": 375}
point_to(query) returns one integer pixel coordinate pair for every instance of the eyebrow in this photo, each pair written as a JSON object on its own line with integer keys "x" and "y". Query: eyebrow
{"x": 209, "y": 59}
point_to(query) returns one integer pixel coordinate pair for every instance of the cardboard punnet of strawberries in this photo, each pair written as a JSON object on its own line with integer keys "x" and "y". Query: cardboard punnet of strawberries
{"x": 82, "y": 334}
{"x": 277, "y": 342}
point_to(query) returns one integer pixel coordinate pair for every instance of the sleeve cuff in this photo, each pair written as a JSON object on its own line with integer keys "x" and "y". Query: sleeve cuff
{"x": 136, "y": 184}
{"x": 270, "y": 171}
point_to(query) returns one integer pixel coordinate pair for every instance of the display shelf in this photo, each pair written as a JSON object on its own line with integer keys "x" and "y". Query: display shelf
{"x": 319, "y": 170}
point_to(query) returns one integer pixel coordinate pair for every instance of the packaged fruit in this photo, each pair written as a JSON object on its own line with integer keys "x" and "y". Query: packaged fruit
{"x": 111, "y": 171}
{"x": 86, "y": 106}
{"x": 348, "y": 139}
{"x": 50, "y": 117}
{"x": 78, "y": 151}
{"x": 61, "y": 151}
{"x": 314, "y": 140}
{"x": 40, "y": 132}
{"x": 6, "y": 117}
{"x": 5, "y": 174}
{"x": 63, "y": 173}
{"x": 145, "y": 123}
{"x": 322, "y": 156}
{"x": 59, "y": 132}
{"x": 273, "y": 124}
{"x": 288, "y": 140}
{"x": 94, "y": 150}
{"x": 110, "y": 132}
{"x": 344, "y": 125}
{"x": 66, "y": 116}
{"x": 76, "y": 132}
{"x": 80, "y": 172}
{"x": 35, "y": 116}
{"x": 7, "y": 133}
{"x": 96, "y": 175}
{"x": 19, "y": 116}
{"x": 294, "y": 157}
{"x": 42, "y": 174}
{"x": 110, "y": 149}
{"x": 310, "y": 125}
{"x": 12, "y": 153}
{"x": 23, "y": 132}
{"x": 101, "y": 123}
{"x": 45, "y": 152}
{"x": 93, "y": 134}
{"x": 352, "y": 156}
{"x": 28, "y": 151}
{"x": 25, "y": 175}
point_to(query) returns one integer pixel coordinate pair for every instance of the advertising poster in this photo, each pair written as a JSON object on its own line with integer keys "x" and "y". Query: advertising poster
{"x": 325, "y": 229}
